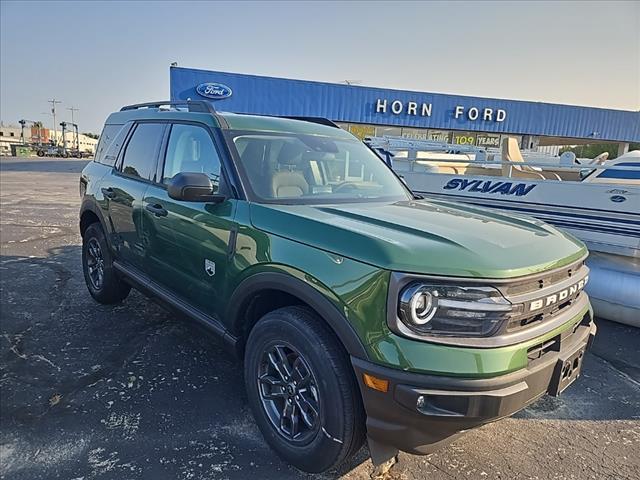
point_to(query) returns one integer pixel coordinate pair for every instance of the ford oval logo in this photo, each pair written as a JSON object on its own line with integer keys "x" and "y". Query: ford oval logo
{"x": 214, "y": 90}
{"x": 617, "y": 198}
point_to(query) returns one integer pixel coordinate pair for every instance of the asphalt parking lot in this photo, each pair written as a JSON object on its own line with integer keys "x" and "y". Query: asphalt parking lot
{"x": 132, "y": 392}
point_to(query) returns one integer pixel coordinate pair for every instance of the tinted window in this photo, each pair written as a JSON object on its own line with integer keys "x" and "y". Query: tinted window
{"x": 191, "y": 149}
{"x": 623, "y": 174}
{"x": 109, "y": 132}
{"x": 140, "y": 155}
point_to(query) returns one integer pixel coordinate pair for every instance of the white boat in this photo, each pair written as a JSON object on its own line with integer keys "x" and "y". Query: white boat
{"x": 596, "y": 200}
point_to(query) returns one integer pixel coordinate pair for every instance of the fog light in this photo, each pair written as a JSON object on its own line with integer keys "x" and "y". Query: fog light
{"x": 420, "y": 402}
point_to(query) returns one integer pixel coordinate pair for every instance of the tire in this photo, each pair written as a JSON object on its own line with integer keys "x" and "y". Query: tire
{"x": 40, "y": 153}
{"x": 324, "y": 379}
{"x": 107, "y": 287}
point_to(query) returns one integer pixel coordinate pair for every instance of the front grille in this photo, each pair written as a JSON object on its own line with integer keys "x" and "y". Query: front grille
{"x": 543, "y": 280}
{"x": 540, "y": 298}
{"x": 526, "y": 320}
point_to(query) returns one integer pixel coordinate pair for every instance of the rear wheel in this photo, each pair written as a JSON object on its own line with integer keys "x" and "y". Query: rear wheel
{"x": 97, "y": 264}
{"x": 302, "y": 391}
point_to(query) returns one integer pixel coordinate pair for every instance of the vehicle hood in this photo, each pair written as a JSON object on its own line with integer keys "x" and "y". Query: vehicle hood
{"x": 425, "y": 237}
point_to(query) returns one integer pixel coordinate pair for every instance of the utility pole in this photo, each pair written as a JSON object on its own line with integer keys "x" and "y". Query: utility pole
{"x": 53, "y": 112}
{"x": 73, "y": 109}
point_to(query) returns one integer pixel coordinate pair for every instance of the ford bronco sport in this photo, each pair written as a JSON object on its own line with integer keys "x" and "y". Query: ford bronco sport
{"x": 359, "y": 310}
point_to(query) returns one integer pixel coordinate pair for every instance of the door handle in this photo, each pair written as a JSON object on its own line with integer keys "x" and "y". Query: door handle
{"x": 157, "y": 210}
{"x": 108, "y": 192}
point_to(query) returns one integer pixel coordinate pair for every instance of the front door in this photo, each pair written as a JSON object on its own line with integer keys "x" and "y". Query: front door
{"x": 189, "y": 241}
{"x": 125, "y": 188}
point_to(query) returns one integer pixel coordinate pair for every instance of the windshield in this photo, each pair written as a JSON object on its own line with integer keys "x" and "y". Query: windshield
{"x": 299, "y": 168}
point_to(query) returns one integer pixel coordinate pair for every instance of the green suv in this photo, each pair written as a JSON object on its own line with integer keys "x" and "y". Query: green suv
{"x": 360, "y": 311}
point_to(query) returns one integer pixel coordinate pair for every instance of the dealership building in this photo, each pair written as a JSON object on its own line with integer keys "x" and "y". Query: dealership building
{"x": 370, "y": 111}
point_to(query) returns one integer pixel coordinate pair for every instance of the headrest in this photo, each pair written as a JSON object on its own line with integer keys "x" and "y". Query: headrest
{"x": 511, "y": 150}
{"x": 289, "y": 154}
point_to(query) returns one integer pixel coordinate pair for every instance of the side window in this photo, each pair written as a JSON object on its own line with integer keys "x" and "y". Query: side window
{"x": 109, "y": 132}
{"x": 141, "y": 152}
{"x": 191, "y": 149}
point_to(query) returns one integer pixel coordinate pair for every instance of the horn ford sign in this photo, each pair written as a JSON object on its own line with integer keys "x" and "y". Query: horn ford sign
{"x": 424, "y": 110}
{"x": 214, "y": 90}
{"x": 489, "y": 186}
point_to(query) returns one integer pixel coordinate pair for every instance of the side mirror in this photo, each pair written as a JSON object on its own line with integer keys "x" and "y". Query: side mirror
{"x": 193, "y": 187}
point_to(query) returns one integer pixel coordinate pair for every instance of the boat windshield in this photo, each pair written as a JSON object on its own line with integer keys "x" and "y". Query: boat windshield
{"x": 296, "y": 168}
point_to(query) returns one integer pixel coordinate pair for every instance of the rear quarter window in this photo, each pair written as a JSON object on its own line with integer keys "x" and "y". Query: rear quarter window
{"x": 108, "y": 135}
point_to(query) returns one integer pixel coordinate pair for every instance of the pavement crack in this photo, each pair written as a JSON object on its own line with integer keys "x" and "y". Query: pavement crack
{"x": 14, "y": 345}
{"x": 613, "y": 367}
{"x": 439, "y": 468}
{"x": 46, "y": 360}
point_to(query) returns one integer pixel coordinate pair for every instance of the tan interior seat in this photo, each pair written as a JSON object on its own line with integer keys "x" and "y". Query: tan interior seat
{"x": 511, "y": 153}
{"x": 287, "y": 183}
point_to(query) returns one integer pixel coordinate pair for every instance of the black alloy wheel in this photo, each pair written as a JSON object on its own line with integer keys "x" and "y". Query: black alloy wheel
{"x": 95, "y": 264}
{"x": 302, "y": 390}
{"x": 101, "y": 277}
{"x": 289, "y": 393}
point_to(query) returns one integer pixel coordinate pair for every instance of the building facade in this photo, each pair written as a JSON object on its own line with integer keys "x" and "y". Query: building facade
{"x": 9, "y": 135}
{"x": 369, "y": 111}
{"x": 87, "y": 144}
{"x": 12, "y": 135}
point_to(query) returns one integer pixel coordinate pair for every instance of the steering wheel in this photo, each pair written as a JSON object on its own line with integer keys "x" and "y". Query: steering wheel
{"x": 345, "y": 186}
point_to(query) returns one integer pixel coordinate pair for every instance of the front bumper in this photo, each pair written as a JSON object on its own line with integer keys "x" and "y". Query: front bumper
{"x": 399, "y": 420}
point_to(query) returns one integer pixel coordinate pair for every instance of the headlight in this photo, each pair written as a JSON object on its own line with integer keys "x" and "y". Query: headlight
{"x": 452, "y": 310}
{"x": 418, "y": 305}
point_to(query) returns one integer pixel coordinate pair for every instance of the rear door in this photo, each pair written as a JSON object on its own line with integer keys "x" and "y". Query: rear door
{"x": 125, "y": 188}
{"x": 189, "y": 241}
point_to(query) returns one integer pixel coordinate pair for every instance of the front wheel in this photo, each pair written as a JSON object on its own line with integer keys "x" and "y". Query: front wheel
{"x": 302, "y": 390}
{"x": 101, "y": 278}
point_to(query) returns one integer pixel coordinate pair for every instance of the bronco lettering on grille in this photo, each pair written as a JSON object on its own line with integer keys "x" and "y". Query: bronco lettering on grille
{"x": 549, "y": 300}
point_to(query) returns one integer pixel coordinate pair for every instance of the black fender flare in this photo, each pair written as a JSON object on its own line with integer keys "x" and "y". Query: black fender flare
{"x": 89, "y": 205}
{"x": 305, "y": 292}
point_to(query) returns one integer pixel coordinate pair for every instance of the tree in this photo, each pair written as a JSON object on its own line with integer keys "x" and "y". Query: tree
{"x": 92, "y": 135}
{"x": 592, "y": 150}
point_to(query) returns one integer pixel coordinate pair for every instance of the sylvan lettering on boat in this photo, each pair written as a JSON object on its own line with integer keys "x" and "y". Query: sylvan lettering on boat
{"x": 489, "y": 186}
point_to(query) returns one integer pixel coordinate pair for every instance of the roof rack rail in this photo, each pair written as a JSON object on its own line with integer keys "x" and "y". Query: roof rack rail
{"x": 319, "y": 120}
{"x": 200, "y": 106}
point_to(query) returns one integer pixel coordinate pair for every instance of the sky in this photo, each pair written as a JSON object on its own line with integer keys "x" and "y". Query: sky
{"x": 98, "y": 56}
